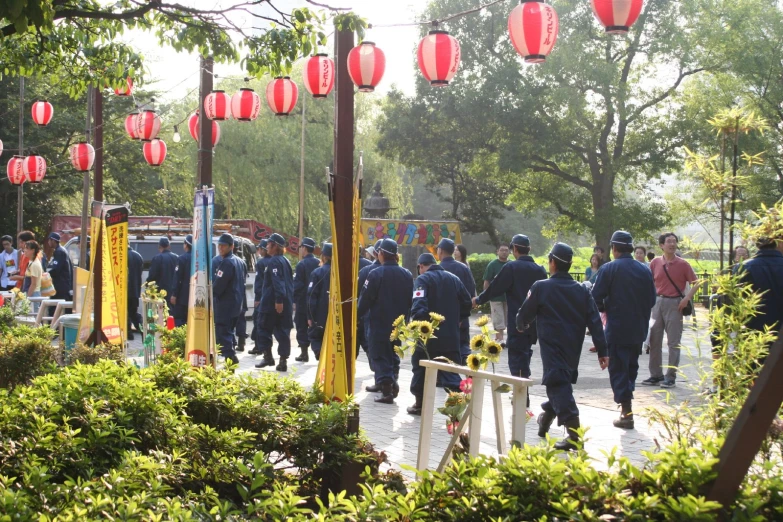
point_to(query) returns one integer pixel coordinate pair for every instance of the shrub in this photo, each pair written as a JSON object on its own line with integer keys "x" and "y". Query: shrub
{"x": 84, "y": 354}
{"x": 25, "y": 352}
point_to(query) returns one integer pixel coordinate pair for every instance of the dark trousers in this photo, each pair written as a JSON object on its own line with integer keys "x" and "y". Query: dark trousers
{"x": 449, "y": 380}
{"x": 520, "y": 351}
{"x": 316, "y": 345}
{"x": 224, "y": 336}
{"x": 464, "y": 341}
{"x": 272, "y": 326}
{"x": 623, "y": 369}
{"x": 300, "y": 321}
{"x": 366, "y": 333}
{"x": 560, "y": 392}
{"x": 385, "y": 362}
{"x": 241, "y": 329}
{"x": 134, "y": 317}
{"x": 315, "y": 337}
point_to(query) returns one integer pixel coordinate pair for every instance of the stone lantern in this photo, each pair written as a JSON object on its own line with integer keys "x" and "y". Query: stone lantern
{"x": 377, "y": 205}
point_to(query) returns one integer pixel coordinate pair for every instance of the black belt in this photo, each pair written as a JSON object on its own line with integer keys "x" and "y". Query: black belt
{"x": 670, "y": 296}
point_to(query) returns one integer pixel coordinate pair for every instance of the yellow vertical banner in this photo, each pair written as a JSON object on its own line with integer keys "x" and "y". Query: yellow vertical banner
{"x": 117, "y": 234}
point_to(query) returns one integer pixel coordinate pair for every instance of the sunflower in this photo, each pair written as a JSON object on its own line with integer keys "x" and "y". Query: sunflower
{"x": 474, "y": 362}
{"x": 477, "y": 343}
{"x": 394, "y": 334}
{"x": 482, "y": 321}
{"x": 437, "y": 317}
{"x": 493, "y": 350}
{"x": 397, "y": 322}
{"x": 425, "y": 328}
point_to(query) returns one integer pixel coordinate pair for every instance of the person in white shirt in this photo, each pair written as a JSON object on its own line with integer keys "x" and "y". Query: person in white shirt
{"x": 9, "y": 263}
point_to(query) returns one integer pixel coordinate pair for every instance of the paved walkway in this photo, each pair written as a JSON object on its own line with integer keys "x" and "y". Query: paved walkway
{"x": 392, "y": 430}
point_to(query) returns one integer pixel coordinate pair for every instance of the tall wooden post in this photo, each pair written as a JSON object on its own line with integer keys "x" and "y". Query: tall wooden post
{"x": 83, "y": 261}
{"x": 205, "y": 127}
{"x": 302, "y": 174}
{"x": 20, "y": 190}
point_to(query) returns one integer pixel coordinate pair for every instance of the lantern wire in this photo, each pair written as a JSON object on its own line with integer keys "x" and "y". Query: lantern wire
{"x": 439, "y": 21}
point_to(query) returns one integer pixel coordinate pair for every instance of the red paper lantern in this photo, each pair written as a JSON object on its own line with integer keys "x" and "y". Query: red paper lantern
{"x": 439, "y": 57}
{"x": 617, "y": 16}
{"x": 125, "y": 90}
{"x": 245, "y": 105}
{"x": 82, "y": 156}
{"x": 34, "y": 169}
{"x": 154, "y": 152}
{"x": 194, "y": 126}
{"x": 130, "y": 125}
{"x": 319, "y": 75}
{"x": 42, "y": 113}
{"x": 533, "y": 29}
{"x": 217, "y": 106}
{"x": 1, "y": 147}
{"x": 15, "y": 170}
{"x": 147, "y": 125}
{"x": 366, "y": 64}
{"x": 281, "y": 95}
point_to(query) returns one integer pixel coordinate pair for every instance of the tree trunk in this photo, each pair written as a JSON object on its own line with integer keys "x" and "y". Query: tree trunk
{"x": 603, "y": 203}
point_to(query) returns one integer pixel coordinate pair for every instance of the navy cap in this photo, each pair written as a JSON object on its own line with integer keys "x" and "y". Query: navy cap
{"x": 389, "y": 246}
{"x": 55, "y": 236}
{"x": 426, "y": 259}
{"x": 189, "y": 239}
{"x": 226, "y": 239}
{"x": 621, "y": 237}
{"x": 263, "y": 243}
{"x": 326, "y": 250}
{"x": 308, "y": 242}
{"x": 278, "y": 239}
{"x": 447, "y": 245}
{"x": 562, "y": 252}
{"x": 378, "y": 244}
{"x": 520, "y": 240}
{"x": 164, "y": 242}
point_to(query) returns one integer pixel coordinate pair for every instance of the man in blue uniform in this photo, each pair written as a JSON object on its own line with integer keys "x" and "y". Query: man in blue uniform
{"x": 625, "y": 290}
{"x": 562, "y": 309}
{"x": 163, "y": 270}
{"x": 443, "y": 293}
{"x": 258, "y": 287}
{"x": 446, "y": 249}
{"x": 361, "y": 328}
{"x": 60, "y": 269}
{"x": 181, "y": 298}
{"x": 135, "y": 267}
{"x": 307, "y": 263}
{"x": 318, "y": 300}
{"x": 387, "y": 294}
{"x": 363, "y": 261}
{"x": 228, "y": 287}
{"x": 764, "y": 272}
{"x": 241, "y": 329}
{"x": 514, "y": 280}
{"x": 277, "y": 303}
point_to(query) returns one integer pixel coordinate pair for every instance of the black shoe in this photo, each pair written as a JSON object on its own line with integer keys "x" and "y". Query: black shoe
{"x": 267, "y": 361}
{"x": 545, "y": 420}
{"x": 396, "y": 390}
{"x": 283, "y": 366}
{"x": 255, "y": 351}
{"x": 415, "y": 409}
{"x": 373, "y": 388}
{"x": 387, "y": 395}
{"x": 241, "y": 344}
{"x": 668, "y": 383}
{"x": 303, "y": 356}
{"x": 569, "y": 443}
{"x": 653, "y": 381}
{"x": 626, "y": 417}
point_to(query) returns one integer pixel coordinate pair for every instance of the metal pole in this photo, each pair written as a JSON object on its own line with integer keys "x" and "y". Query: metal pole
{"x": 83, "y": 261}
{"x": 20, "y": 190}
{"x": 302, "y": 174}
{"x": 733, "y": 194}
{"x": 205, "y": 130}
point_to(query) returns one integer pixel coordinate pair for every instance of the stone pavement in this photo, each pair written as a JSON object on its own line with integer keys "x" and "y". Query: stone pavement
{"x": 392, "y": 430}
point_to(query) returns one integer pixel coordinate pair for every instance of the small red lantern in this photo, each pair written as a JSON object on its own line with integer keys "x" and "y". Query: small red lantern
{"x": 125, "y": 90}
{"x": 130, "y": 125}
{"x": 147, "y": 125}
{"x": 366, "y": 64}
{"x": 245, "y": 105}
{"x": 617, "y": 16}
{"x": 34, "y": 169}
{"x": 217, "y": 106}
{"x": 533, "y": 28}
{"x": 281, "y": 95}
{"x": 82, "y": 156}
{"x": 15, "y": 170}
{"x": 42, "y": 113}
{"x": 1, "y": 147}
{"x": 194, "y": 126}
{"x": 439, "y": 56}
{"x": 319, "y": 75}
{"x": 155, "y": 152}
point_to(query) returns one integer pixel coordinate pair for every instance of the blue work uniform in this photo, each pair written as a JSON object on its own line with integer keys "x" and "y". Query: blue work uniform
{"x": 515, "y": 280}
{"x": 363, "y": 325}
{"x": 318, "y": 305}
{"x": 278, "y": 289}
{"x": 258, "y": 288}
{"x": 443, "y": 293}
{"x": 241, "y": 328}
{"x": 625, "y": 290}
{"x": 163, "y": 271}
{"x": 464, "y": 274}
{"x": 764, "y": 272}
{"x": 135, "y": 268}
{"x": 182, "y": 293}
{"x": 363, "y": 262}
{"x": 228, "y": 289}
{"x": 304, "y": 268}
{"x": 387, "y": 294}
{"x": 62, "y": 273}
{"x": 561, "y": 309}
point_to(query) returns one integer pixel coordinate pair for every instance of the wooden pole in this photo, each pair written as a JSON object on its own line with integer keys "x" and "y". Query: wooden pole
{"x": 302, "y": 174}
{"x": 205, "y": 127}
{"x": 83, "y": 261}
{"x": 733, "y": 202}
{"x": 20, "y": 190}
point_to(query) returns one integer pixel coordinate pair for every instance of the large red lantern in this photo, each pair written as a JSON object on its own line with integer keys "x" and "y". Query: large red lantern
{"x": 281, "y": 95}
{"x": 533, "y": 29}
{"x": 319, "y": 75}
{"x": 82, "y": 156}
{"x": 130, "y": 125}
{"x": 617, "y": 16}
{"x": 439, "y": 57}
{"x": 15, "y": 170}
{"x": 217, "y": 106}
{"x": 34, "y": 169}
{"x": 42, "y": 113}
{"x": 147, "y": 125}
{"x": 194, "y": 126}
{"x": 155, "y": 152}
{"x": 366, "y": 64}
{"x": 125, "y": 90}
{"x": 245, "y": 105}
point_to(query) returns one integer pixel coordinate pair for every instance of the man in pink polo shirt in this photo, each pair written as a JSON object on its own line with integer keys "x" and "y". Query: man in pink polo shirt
{"x": 667, "y": 312}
